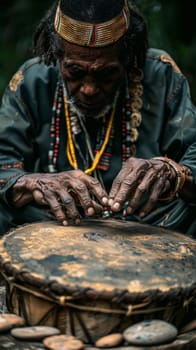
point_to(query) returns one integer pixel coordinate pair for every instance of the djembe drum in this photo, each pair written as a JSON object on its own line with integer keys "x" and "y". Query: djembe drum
{"x": 100, "y": 277}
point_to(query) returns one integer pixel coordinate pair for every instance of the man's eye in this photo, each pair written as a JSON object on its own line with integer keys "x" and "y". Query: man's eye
{"x": 75, "y": 72}
{"x": 106, "y": 73}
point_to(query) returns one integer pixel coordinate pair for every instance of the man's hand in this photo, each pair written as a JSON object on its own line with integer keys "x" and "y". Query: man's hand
{"x": 62, "y": 193}
{"x": 140, "y": 180}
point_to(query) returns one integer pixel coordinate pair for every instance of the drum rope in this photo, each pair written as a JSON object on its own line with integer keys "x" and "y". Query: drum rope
{"x": 130, "y": 309}
{"x": 83, "y": 327}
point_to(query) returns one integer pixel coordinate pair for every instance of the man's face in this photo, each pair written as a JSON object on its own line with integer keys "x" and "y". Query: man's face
{"x": 92, "y": 76}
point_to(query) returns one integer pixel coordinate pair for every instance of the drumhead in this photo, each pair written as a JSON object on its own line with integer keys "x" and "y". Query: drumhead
{"x": 101, "y": 255}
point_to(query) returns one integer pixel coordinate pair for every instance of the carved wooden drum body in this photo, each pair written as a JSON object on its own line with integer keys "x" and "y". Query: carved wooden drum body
{"x": 100, "y": 277}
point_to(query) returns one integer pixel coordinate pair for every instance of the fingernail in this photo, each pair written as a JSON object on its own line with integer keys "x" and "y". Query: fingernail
{"x": 65, "y": 223}
{"x": 116, "y": 206}
{"x": 90, "y": 211}
{"x": 110, "y": 202}
{"x": 105, "y": 200}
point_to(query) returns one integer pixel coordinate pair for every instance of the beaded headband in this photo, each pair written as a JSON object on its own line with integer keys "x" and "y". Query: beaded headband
{"x": 93, "y": 35}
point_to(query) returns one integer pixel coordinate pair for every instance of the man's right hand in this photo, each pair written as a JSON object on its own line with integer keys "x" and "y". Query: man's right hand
{"x": 62, "y": 192}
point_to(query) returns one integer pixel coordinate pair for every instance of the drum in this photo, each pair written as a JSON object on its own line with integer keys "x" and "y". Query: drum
{"x": 100, "y": 277}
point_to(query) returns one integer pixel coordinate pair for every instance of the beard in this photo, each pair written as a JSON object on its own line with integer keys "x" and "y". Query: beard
{"x": 72, "y": 101}
{"x": 90, "y": 114}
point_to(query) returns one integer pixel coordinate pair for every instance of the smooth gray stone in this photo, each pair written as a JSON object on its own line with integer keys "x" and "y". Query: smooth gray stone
{"x": 34, "y": 333}
{"x": 152, "y": 332}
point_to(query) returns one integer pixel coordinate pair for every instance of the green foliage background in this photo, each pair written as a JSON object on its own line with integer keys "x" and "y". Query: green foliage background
{"x": 171, "y": 26}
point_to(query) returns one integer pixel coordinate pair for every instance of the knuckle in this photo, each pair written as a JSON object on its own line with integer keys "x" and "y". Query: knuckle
{"x": 130, "y": 160}
{"x": 80, "y": 187}
{"x": 77, "y": 173}
{"x": 128, "y": 182}
{"x": 87, "y": 203}
{"x": 56, "y": 207}
{"x": 142, "y": 189}
{"x": 116, "y": 182}
{"x": 68, "y": 201}
{"x": 94, "y": 182}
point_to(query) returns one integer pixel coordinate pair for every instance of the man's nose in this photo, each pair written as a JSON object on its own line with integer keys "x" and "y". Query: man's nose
{"x": 89, "y": 87}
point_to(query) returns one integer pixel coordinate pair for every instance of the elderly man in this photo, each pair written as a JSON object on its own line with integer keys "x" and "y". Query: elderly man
{"x": 97, "y": 123}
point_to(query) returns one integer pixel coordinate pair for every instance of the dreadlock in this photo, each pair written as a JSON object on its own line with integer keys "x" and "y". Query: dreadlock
{"x": 47, "y": 44}
{"x": 136, "y": 38}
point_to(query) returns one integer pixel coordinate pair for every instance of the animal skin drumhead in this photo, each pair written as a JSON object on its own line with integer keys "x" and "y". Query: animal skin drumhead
{"x": 103, "y": 255}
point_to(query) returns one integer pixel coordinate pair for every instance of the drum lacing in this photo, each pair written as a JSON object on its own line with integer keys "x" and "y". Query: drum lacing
{"x": 65, "y": 301}
{"x": 130, "y": 310}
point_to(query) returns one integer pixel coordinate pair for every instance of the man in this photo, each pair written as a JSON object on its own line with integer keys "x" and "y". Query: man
{"x": 97, "y": 123}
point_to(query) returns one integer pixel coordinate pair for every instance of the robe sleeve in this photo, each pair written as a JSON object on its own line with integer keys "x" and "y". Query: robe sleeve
{"x": 179, "y": 132}
{"x": 16, "y": 135}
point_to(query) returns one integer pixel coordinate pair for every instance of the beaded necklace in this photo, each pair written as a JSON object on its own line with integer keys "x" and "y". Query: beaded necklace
{"x": 55, "y": 128}
{"x": 131, "y": 120}
{"x": 70, "y": 145}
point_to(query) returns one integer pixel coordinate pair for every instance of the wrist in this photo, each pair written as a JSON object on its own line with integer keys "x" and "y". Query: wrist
{"x": 180, "y": 171}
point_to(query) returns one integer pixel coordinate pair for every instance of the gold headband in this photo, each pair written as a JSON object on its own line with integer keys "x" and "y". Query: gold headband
{"x": 93, "y": 35}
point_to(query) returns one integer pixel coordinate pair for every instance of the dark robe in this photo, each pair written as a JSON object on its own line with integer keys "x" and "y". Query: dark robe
{"x": 168, "y": 128}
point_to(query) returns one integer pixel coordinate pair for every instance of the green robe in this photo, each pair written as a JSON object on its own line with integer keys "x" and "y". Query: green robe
{"x": 168, "y": 128}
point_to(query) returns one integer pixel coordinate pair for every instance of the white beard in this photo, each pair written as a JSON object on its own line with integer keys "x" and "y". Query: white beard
{"x": 72, "y": 103}
{"x": 82, "y": 115}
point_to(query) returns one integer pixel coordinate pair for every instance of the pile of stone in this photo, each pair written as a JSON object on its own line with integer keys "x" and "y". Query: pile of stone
{"x": 149, "y": 334}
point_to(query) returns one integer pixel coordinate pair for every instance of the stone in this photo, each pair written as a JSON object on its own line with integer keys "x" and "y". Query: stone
{"x": 63, "y": 342}
{"x": 150, "y": 332}
{"x": 8, "y": 321}
{"x": 109, "y": 341}
{"x": 14, "y": 320}
{"x": 4, "y": 325}
{"x": 35, "y": 333}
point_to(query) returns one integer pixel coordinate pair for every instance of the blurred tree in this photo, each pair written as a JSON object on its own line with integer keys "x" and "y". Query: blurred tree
{"x": 18, "y": 20}
{"x": 171, "y": 27}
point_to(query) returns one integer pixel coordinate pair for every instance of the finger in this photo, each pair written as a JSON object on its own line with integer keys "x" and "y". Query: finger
{"x": 114, "y": 189}
{"x": 141, "y": 190}
{"x": 125, "y": 190}
{"x": 38, "y": 197}
{"x": 82, "y": 193}
{"x": 55, "y": 206}
{"x": 124, "y": 193}
{"x": 96, "y": 188}
{"x": 126, "y": 180}
{"x": 154, "y": 196}
{"x": 69, "y": 205}
{"x": 97, "y": 208}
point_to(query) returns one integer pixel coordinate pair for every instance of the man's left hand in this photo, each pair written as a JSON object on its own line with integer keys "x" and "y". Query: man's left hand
{"x": 140, "y": 180}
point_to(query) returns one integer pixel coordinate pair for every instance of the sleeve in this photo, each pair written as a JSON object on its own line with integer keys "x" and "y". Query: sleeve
{"x": 16, "y": 135}
{"x": 179, "y": 131}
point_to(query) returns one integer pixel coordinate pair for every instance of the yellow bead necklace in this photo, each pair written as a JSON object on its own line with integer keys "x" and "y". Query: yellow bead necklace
{"x": 71, "y": 154}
